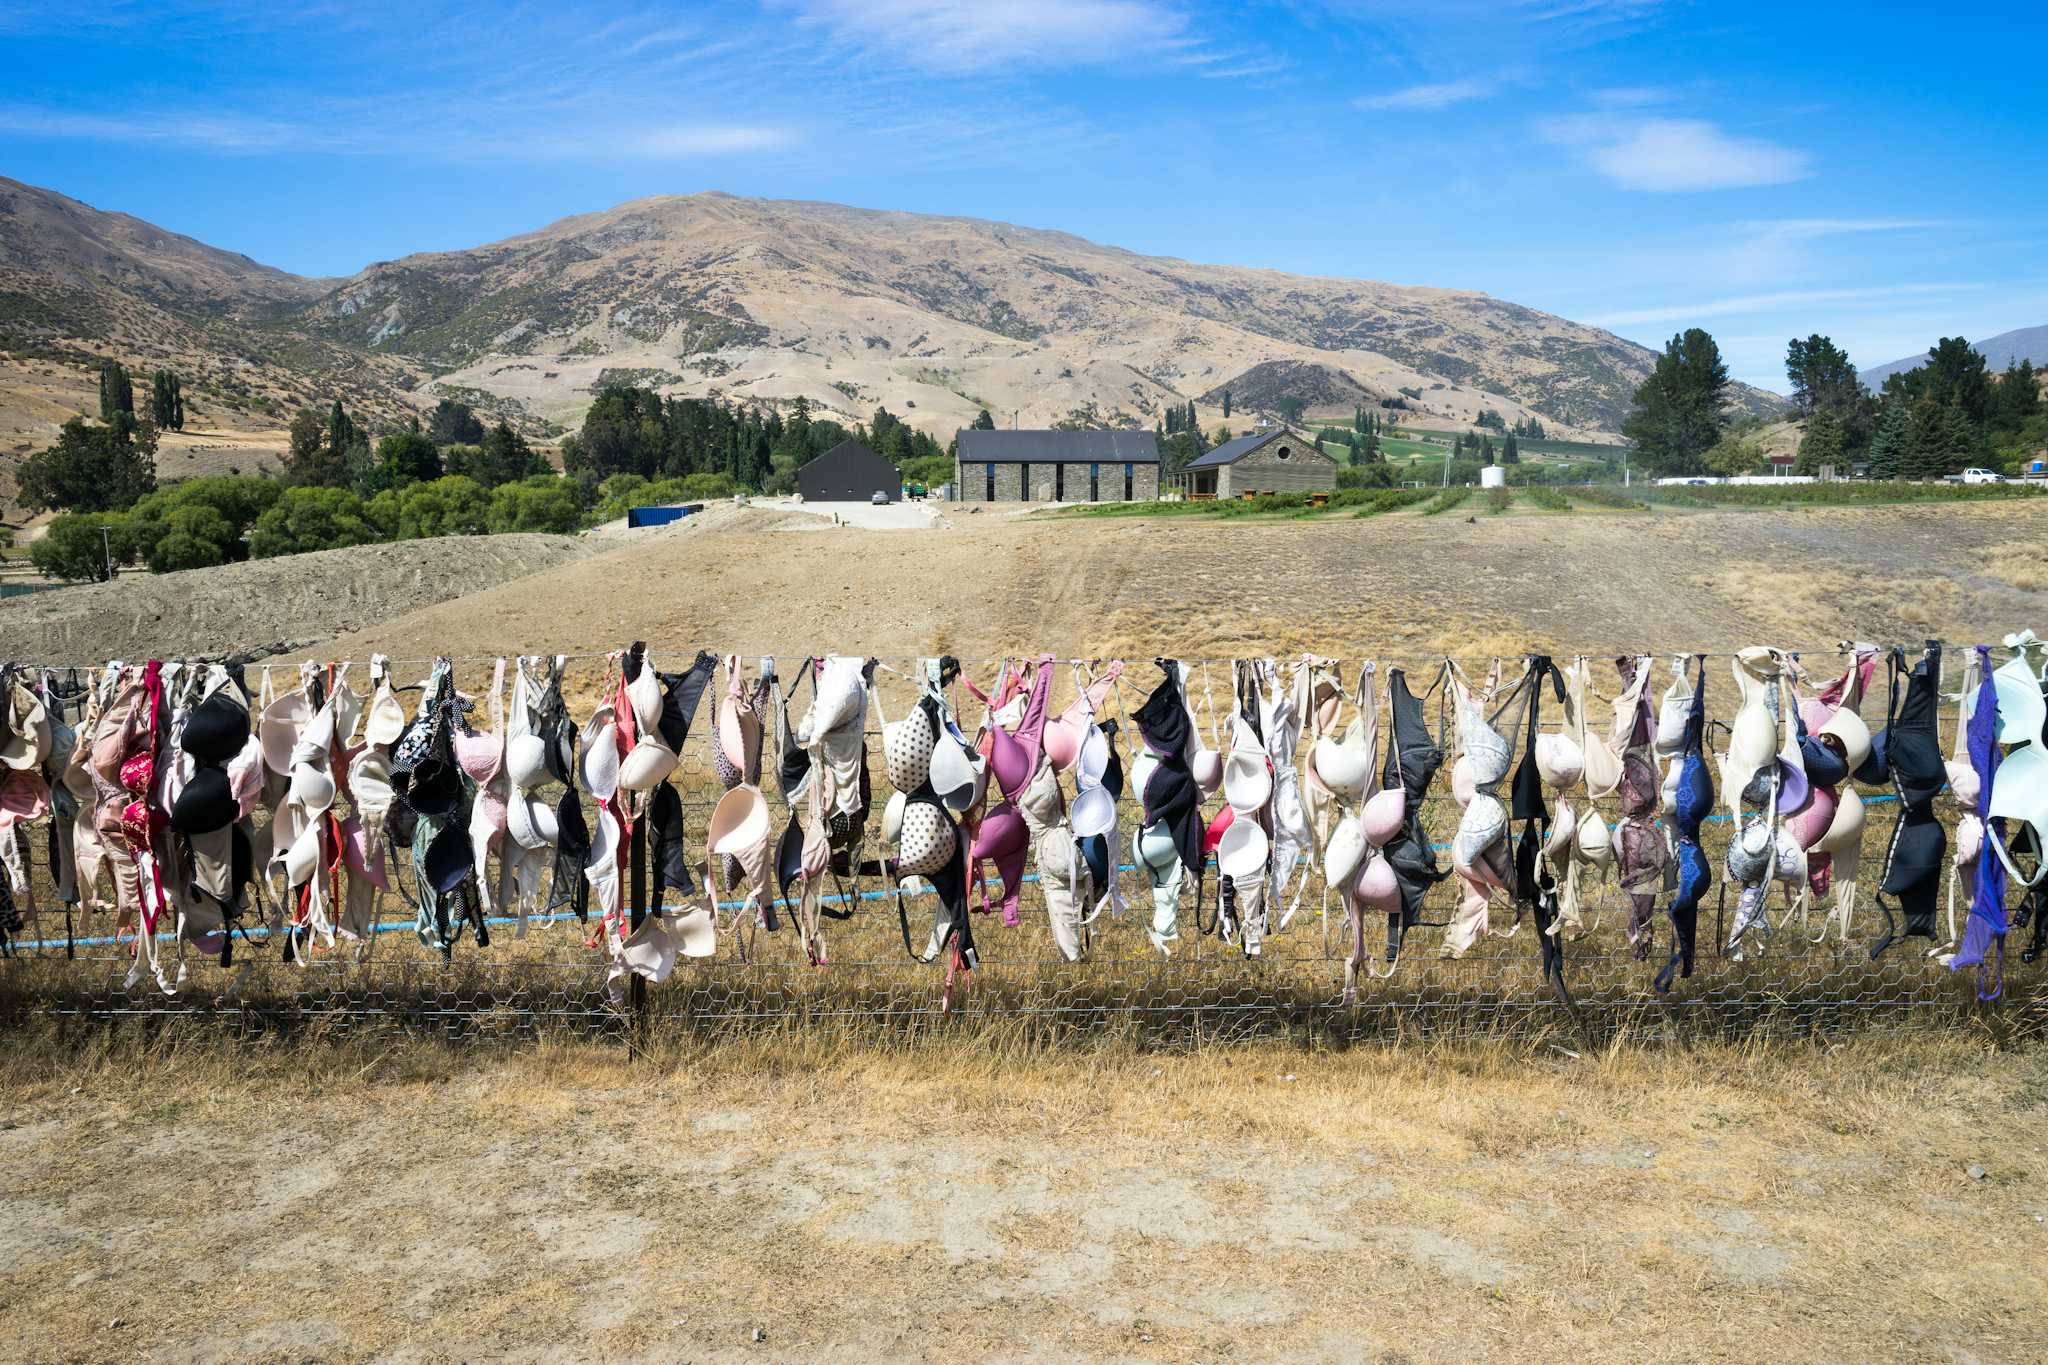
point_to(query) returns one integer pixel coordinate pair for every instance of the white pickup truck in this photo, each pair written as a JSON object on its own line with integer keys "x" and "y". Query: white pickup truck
{"x": 1974, "y": 475}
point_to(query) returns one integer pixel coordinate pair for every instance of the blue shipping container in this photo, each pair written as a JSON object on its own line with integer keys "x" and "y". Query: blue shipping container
{"x": 661, "y": 516}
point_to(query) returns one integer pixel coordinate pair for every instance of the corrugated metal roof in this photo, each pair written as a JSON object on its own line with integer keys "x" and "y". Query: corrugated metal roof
{"x": 1231, "y": 451}
{"x": 1058, "y": 447}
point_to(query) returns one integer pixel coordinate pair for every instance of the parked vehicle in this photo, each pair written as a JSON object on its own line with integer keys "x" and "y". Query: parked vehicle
{"x": 1975, "y": 475}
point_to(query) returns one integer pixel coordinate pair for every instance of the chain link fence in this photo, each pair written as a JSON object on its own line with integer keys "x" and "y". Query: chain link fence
{"x": 551, "y": 981}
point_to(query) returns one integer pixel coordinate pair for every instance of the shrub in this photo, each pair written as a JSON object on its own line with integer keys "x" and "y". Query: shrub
{"x": 1498, "y": 500}
{"x": 453, "y": 505}
{"x": 197, "y": 522}
{"x": 1445, "y": 500}
{"x": 306, "y": 519}
{"x": 1549, "y": 499}
{"x": 72, "y": 547}
{"x": 543, "y": 503}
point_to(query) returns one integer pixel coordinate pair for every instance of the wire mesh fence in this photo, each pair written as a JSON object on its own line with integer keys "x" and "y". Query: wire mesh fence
{"x": 551, "y": 981}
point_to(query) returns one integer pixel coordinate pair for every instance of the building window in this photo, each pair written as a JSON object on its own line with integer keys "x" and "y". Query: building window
{"x": 1127, "y": 483}
{"x": 1285, "y": 452}
{"x": 1059, "y": 483}
{"x": 1024, "y": 482}
{"x": 990, "y": 496}
{"x": 1095, "y": 483}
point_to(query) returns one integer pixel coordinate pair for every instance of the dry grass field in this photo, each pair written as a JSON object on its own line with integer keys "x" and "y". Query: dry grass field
{"x": 992, "y": 1190}
{"x": 776, "y": 1200}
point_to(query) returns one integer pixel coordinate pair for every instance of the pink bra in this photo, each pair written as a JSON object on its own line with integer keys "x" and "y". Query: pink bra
{"x": 1014, "y": 757}
{"x": 1065, "y": 733}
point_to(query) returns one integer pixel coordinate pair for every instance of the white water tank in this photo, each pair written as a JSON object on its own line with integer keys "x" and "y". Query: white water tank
{"x": 1493, "y": 476}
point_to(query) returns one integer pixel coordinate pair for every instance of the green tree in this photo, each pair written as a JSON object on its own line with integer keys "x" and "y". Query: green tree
{"x": 91, "y": 468}
{"x": 454, "y": 423}
{"x": 307, "y": 519}
{"x": 1940, "y": 439}
{"x": 198, "y": 522}
{"x": 1510, "y": 450}
{"x": 1825, "y": 443}
{"x": 2019, "y": 396}
{"x": 117, "y": 394}
{"x": 1677, "y": 416}
{"x": 453, "y": 505}
{"x": 984, "y": 422}
{"x": 541, "y": 503}
{"x": 310, "y": 460}
{"x": 76, "y": 547}
{"x": 1226, "y": 405}
{"x": 167, "y": 401}
{"x": 1290, "y": 409}
{"x": 1734, "y": 454}
{"x": 1821, "y": 376}
{"x": 505, "y": 457}
{"x": 1888, "y": 444}
{"x": 408, "y": 457}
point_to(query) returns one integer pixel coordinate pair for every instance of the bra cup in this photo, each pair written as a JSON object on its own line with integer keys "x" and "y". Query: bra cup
{"x": 1094, "y": 757}
{"x": 1384, "y": 816}
{"x": 644, "y": 694}
{"x": 1751, "y": 853}
{"x": 907, "y": 747}
{"x": 1693, "y": 794}
{"x": 1564, "y": 831}
{"x": 1595, "y": 843}
{"x": 1485, "y": 823}
{"x": 1811, "y": 825}
{"x": 1142, "y": 769}
{"x": 1671, "y": 714}
{"x": 1845, "y": 828}
{"x": 1346, "y": 850}
{"x": 1969, "y": 840}
{"x": 1602, "y": 769}
{"x": 1010, "y": 761}
{"x": 1002, "y": 834}
{"x": 1962, "y": 781}
{"x": 1463, "y": 785}
{"x": 1491, "y": 757}
{"x": 1378, "y": 888}
{"x": 928, "y": 840}
{"x": 1094, "y": 812}
{"x": 1063, "y": 743}
{"x": 1342, "y": 768}
{"x": 1156, "y": 849}
{"x": 1561, "y": 761}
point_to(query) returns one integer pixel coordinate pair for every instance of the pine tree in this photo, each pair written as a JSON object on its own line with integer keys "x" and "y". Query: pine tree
{"x": 1825, "y": 443}
{"x": 1510, "y": 452}
{"x": 177, "y": 403}
{"x": 1888, "y": 446}
{"x": 1677, "y": 415}
{"x": 1226, "y": 405}
{"x": 116, "y": 394}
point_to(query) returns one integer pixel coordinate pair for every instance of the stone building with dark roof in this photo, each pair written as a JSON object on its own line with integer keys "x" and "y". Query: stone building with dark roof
{"x": 1271, "y": 460}
{"x": 1056, "y": 466}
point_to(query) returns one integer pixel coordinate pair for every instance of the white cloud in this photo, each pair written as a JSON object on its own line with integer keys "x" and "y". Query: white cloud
{"x": 1748, "y": 304}
{"x": 1808, "y": 229}
{"x": 1667, "y": 154}
{"x": 958, "y": 36}
{"x": 218, "y": 134}
{"x": 696, "y": 139}
{"x": 1440, "y": 95}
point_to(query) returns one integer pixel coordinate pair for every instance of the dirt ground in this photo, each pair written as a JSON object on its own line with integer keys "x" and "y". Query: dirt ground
{"x": 1394, "y": 586}
{"x": 407, "y": 1203}
{"x": 985, "y": 585}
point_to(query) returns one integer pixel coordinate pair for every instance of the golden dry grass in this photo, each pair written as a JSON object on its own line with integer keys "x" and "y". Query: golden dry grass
{"x": 1430, "y": 1203}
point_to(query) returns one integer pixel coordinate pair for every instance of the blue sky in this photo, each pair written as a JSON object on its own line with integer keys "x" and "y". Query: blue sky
{"x": 1874, "y": 172}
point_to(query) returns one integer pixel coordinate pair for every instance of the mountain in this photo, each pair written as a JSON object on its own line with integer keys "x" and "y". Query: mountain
{"x": 768, "y": 301}
{"x": 77, "y": 283}
{"x": 2025, "y": 343}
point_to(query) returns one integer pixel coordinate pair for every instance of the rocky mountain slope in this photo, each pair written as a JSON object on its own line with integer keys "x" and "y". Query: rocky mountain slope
{"x": 767, "y": 301}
